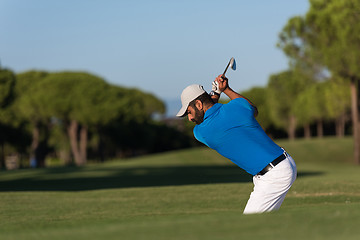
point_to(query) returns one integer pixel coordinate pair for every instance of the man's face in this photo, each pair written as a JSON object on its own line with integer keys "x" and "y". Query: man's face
{"x": 195, "y": 115}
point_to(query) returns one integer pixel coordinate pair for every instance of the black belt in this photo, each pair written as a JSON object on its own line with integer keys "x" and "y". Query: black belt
{"x": 272, "y": 164}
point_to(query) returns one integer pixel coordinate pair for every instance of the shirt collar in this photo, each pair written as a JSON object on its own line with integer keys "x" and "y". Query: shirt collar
{"x": 212, "y": 110}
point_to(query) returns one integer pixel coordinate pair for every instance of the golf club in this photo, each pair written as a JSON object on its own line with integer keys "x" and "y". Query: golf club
{"x": 231, "y": 64}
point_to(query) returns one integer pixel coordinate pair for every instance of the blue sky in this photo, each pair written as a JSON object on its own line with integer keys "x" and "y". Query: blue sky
{"x": 157, "y": 46}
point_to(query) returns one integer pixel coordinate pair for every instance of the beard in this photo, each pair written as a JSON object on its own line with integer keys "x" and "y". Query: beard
{"x": 199, "y": 116}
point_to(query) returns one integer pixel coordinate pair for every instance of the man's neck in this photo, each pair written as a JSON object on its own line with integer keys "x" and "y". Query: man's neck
{"x": 208, "y": 106}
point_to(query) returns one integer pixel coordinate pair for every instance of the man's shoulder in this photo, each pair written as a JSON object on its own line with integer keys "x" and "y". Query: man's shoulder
{"x": 240, "y": 100}
{"x": 239, "y": 103}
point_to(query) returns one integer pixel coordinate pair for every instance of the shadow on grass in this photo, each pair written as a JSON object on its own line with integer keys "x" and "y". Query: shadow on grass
{"x": 77, "y": 179}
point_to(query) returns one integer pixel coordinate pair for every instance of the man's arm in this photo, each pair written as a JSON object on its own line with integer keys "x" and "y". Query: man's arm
{"x": 233, "y": 95}
{"x": 225, "y": 88}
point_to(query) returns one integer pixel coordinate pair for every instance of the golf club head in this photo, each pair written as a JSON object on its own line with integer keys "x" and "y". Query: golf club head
{"x": 232, "y": 64}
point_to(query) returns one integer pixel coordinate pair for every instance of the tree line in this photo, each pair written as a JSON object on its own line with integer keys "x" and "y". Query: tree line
{"x": 323, "y": 79}
{"x": 74, "y": 116}
{"x": 292, "y": 105}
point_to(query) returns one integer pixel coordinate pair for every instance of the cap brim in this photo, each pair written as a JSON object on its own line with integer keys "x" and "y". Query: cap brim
{"x": 182, "y": 111}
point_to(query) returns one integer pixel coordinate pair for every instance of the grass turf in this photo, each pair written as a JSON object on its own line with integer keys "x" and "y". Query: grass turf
{"x": 189, "y": 194}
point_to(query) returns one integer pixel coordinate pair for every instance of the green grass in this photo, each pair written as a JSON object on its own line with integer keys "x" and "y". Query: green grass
{"x": 190, "y": 194}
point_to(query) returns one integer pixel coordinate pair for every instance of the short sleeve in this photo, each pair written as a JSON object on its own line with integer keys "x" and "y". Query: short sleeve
{"x": 242, "y": 103}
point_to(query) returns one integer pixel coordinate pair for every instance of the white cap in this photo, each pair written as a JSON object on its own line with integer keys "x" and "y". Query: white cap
{"x": 189, "y": 94}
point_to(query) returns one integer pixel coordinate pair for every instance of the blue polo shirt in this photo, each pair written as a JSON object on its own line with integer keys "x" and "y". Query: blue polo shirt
{"x": 232, "y": 130}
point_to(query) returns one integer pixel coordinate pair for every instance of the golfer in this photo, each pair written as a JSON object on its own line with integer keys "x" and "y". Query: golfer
{"x": 232, "y": 130}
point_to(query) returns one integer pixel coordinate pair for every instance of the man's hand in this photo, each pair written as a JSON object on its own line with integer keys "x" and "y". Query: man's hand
{"x": 219, "y": 85}
{"x": 215, "y": 87}
{"x": 223, "y": 82}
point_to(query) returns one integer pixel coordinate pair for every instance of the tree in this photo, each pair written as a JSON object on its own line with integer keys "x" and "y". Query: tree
{"x": 302, "y": 57}
{"x": 283, "y": 89}
{"x": 328, "y": 34}
{"x": 257, "y": 95}
{"x": 338, "y": 103}
{"x": 27, "y": 111}
{"x": 134, "y": 126}
{"x": 305, "y": 110}
{"x": 76, "y": 100}
{"x": 83, "y": 103}
{"x": 311, "y": 106}
{"x": 7, "y": 83}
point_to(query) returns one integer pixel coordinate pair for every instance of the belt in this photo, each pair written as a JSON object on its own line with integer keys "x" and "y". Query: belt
{"x": 272, "y": 164}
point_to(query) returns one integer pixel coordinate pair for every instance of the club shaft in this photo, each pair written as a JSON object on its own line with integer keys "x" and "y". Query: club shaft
{"x": 226, "y": 68}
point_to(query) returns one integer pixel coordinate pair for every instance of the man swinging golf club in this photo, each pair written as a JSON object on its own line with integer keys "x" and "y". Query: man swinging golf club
{"x": 232, "y": 130}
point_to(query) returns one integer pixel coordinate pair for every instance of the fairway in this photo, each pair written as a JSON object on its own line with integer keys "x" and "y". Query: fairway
{"x": 188, "y": 194}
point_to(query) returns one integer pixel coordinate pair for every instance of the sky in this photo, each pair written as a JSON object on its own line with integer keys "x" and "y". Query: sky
{"x": 157, "y": 46}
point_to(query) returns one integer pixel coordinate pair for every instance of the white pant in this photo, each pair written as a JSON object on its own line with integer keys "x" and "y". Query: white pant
{"x": 270, "y": 189}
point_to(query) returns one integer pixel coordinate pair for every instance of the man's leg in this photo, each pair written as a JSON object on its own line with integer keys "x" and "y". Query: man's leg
{"x": 270, "y": 189}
